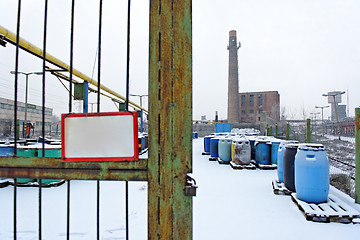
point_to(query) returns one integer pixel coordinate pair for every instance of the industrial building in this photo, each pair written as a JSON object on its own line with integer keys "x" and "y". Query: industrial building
{"x": 254, "y": 104}
{"x": 34, "y": 116}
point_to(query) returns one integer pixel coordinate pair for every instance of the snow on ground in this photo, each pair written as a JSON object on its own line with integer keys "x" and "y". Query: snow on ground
{"x": 240, "y": 204}
{"x": 230, "y": 204}
{"x": 83, "y": 211}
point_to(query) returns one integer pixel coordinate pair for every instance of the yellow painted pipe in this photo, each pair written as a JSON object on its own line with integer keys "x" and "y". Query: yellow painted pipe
{"x": 32, "y": 48}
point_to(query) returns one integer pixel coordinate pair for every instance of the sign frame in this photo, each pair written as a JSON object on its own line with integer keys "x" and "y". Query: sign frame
{"x": 65, "y": 138}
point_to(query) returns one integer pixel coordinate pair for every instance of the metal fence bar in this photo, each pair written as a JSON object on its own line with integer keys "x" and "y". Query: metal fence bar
{"x": 98, "y": 210}
{"x": 71, "y": 53}
{"x": 15, "y": 208}
{"x": 98, "y": 110}
{"x": 357, "y": 155}
{"x": 68, "y": 212}
{"x": 16, "y": 76}
{"x": 127, "y": 109}
{"x": 40, "y": 209}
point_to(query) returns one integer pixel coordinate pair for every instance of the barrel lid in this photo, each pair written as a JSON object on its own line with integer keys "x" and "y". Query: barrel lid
{"x": 312, "y": 146}
{"x": 292, "y": 145}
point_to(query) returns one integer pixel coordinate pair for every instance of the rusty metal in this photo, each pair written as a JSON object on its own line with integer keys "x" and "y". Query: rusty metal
{"x": 170, "y": 120}
{"x": 55, "y": 168}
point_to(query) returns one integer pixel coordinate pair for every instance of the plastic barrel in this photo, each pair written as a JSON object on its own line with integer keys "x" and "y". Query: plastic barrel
{"x": 274, "y": 151}
{"x": 253, "y": 147}
{"x": 312, "y": 174}
{"x": 263, "y": 152}
{"x": 6, "y": 151}
{"x": 280, "y": 162}
{"x": 207, "y": 143}
{"x": 242, "y": 151}
{"x": 214, "y": 147}
{"x": 224, "y": 149}
{"x": 289, "y": 158}
{"x": 233, "y": 142}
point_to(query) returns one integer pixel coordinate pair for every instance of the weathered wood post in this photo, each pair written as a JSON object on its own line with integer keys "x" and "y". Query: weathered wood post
{"x": 170, "y": 119}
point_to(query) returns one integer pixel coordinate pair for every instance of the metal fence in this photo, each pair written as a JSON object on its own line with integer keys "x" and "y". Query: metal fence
{"x": 170, "y": 156}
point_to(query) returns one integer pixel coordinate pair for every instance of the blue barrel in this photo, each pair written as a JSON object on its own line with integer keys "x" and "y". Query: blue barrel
{"x": 289, "y": 159}
{"x": 253, "y": 148}
{"x": 196, "y": 135}
{"x": 214, "y": 147}
{"x": 274, "y": 151}
{"x": 263, "y": 152}
{"x": 224, "y": 149}
{"x": 280, "y": 159}
{"x": 312, "y": 173}
{"x": 207, "y": 143}
{"x": 6, "y": 151}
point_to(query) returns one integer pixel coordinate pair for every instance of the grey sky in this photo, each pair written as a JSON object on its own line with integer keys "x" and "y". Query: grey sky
{"x": 300, "y": 48}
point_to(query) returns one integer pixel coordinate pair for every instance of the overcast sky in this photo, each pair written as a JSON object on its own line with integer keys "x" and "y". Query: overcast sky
{"x": 300, "y": 48}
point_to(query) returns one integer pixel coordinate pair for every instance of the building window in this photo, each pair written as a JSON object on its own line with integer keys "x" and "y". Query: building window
{"x": 243, "y": 98}
{"x": 251, "y": 111}
{"x": 251, "y": 119}
{"x": 260, "y": 100}
{"x": 243, "y": 112}
{"x": 260, "y": 111}
{"x": 251, "y": 100}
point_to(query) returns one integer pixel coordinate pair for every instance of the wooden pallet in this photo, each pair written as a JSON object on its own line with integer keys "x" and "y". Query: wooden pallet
{"x": 334, "y": 210}
{"x": 238, "y": 166}
{"x": 212, "y": 159}
{"x": 205, "y": 153}
{"x": 264, "y": 166}
{"x": 222, "y": 162}
{"x": 279, "y": 188}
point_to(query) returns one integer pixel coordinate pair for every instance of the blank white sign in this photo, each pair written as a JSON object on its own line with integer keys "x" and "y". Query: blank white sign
{"x": 101, "y": 136}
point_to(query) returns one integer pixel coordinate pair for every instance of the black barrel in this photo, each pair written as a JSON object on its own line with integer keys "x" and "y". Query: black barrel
{"x": 289, "y": 159}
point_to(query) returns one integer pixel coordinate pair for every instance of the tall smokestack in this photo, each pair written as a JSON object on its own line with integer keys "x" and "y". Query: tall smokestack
{"x": 233, "y": 114}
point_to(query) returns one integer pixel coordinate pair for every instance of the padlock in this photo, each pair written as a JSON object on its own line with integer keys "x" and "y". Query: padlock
{"x": 190, "y": 187}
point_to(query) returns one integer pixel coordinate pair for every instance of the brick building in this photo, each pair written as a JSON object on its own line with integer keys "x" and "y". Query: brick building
{"x": 253, "y": 104}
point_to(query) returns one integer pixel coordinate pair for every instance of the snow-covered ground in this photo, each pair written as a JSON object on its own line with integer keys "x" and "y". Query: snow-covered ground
{"x": 230, "y": 204}
{"x": 240, "y": 204}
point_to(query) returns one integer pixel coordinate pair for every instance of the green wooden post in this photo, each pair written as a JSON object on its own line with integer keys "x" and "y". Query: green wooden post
{"x": 308, "y": 131}
{"x": 270, "y": 131}
{"x": 276, "y": 130}
{"x": 287, "y": 131}
{"x": 170, "y": 120}
{"x": 357, "y": 155}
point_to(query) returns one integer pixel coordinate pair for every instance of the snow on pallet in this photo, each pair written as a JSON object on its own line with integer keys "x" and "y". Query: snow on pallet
{"x": 334, "y": 210}
{"x": 238, "y": 166}
{"x": 279, "y": 188}
{"x": 222, "y": 162}
{"x": 264, "y": 166}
